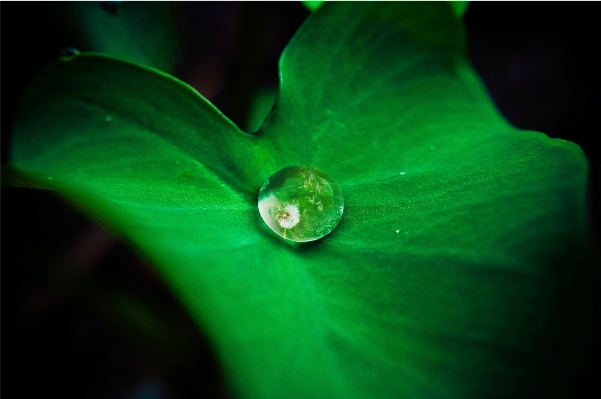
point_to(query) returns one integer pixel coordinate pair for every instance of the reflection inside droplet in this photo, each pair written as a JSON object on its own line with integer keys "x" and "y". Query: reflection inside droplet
{"x": 301, "y": 203}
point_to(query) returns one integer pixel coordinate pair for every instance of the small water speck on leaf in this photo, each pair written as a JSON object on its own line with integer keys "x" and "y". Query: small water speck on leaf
{"x": 68, "y": 53}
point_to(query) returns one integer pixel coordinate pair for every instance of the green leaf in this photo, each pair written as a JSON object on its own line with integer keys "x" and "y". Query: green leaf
{"x": 460, "y": 267}
{"x": 459, "y": 7}
{"x": 261, "y": 106}
{"x": 313, "y": 5}
{"x": 140, "y": 32}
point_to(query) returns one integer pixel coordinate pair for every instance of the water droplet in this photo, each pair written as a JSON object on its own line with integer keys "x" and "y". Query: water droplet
{"x": 301, "y": 203}
{"x": 398, "y": 231}
{"x": 68, "y": 53}
{"x": 108, "y": 118}
{"x": 401, "y": 173}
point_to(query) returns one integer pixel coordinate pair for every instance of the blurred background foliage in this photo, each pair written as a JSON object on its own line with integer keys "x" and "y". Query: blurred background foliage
{"x": 88, "y": 317}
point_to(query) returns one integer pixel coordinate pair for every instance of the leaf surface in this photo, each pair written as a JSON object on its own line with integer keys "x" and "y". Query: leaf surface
{"x": 142, "y": 32}
{"x": 460, "y": 266}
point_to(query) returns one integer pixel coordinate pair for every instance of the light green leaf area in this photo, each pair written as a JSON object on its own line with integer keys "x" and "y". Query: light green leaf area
{"x": 313, "y": 5}
{"x": 459, "y": 269}
{"x": 459, "y": 7}
{"x": 142, "y": 32}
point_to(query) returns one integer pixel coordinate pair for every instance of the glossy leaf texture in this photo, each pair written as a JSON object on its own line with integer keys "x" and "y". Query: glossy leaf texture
{"x": 142, "y": 32}
{"x": 460, "y": 267}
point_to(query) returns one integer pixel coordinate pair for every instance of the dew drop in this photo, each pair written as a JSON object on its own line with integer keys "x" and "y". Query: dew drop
{"x": 68, "y": 53}
{"x": 301, "y": 203}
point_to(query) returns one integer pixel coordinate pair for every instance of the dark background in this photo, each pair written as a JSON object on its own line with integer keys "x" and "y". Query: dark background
{"x": 67, "y": 280}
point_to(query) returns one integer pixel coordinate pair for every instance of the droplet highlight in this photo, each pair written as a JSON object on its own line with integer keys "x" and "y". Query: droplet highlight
{"x": 69, "y": 53}
{"x": 301, "y": 203}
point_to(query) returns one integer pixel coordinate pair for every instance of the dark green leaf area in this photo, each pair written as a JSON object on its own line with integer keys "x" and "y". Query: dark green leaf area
{"x": 458, "y": 269}
{"x": 141, "y": 32}
{"x": 94, "y": 113}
